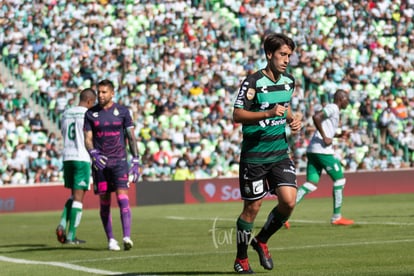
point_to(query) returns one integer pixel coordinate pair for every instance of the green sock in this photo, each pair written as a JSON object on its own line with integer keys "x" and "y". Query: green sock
{"x": 75, "y": 218}
{"x": 244, "y": 232}
{"x": 305, "y": 189}
{"x": 64, "y": 217}
{"x": 338, "y": 196}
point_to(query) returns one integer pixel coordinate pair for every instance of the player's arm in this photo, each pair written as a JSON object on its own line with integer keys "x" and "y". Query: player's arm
{"x": 318, "y": 118}
{"x": 132, "y": 141}
{"x": 294, "y": 120}
{"x": 98, "y": 160}
{"x": 135, "y": 169}
{"x": 63, "y": 126}
{"x": 245, "y": 99}
{"x": 244, "y": 116}
{"x": 88, "y": 139}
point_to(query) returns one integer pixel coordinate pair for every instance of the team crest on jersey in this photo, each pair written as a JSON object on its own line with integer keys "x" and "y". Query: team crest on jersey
{"x": 247, "y": 189}
{"x": 250, "y": 94}
{"x": 116, "y": 112}
{"x": 95, "y": 114}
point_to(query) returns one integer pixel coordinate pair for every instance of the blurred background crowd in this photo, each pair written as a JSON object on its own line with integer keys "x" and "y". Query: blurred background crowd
{"x": 178, "y": 64}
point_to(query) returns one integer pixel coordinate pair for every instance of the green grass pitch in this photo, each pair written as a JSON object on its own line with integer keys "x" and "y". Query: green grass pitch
{"x": 199, "y": 239}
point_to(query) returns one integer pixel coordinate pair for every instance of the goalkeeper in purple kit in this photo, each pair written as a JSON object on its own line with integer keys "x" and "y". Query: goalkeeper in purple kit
{"x": 107, "y": 126}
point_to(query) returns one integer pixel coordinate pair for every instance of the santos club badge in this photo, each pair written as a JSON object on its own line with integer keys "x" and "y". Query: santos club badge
{"x": 250, "y": 94}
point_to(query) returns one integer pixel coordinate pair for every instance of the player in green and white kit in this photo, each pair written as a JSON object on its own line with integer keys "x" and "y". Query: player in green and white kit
{"x": 320, "y": 155}
{"x": 263, "y": 107}
{"x": 76, "y": 166}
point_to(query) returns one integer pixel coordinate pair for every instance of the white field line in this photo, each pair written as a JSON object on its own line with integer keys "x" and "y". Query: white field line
{"x": 59, "y": 264}
{"x": 205, "y": 253}
{"x": 292, "y": 220}
{"x": 71, "y": 265}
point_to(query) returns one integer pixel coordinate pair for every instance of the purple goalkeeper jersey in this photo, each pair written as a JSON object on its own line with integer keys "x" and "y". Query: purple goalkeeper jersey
{"x": 108, "y": 127}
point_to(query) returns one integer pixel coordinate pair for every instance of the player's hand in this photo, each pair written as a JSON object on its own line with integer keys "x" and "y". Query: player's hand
{"x": 98, "y": 160}
{"x": 327, "y": 141}
{"x": 135, "y": 170}
{"x": 278, "y": 110}
{"x": 296, "y": 123}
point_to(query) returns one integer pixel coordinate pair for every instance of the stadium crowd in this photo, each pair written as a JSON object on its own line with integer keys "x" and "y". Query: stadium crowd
{"x": 178, "y": 66}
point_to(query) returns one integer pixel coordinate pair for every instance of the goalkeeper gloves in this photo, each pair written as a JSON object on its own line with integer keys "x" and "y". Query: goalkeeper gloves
{"x": 98, "y": 160}
{"x": 134, "y": 170}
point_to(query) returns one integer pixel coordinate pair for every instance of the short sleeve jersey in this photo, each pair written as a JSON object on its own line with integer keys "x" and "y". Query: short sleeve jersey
{"x": 72, "y": 132}
{"x": 265, "y": 141}
{"x": 108, "y": 127}
{"x": 329, "y": 125}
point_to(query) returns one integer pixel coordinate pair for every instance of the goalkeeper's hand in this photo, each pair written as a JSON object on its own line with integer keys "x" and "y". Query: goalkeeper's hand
{"x": 134, "y": 170}
{"x": 98, "y": 160}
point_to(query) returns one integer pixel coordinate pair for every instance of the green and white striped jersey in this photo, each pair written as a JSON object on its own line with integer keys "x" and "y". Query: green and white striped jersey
{"x": 265, "y": 141}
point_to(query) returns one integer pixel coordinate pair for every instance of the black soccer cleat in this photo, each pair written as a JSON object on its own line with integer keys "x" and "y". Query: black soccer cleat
{"x": 242, "y": 266}
{"x": 61, "y": 234}
{"x": 263, "y": 252}
{"x": 128, "y": 244}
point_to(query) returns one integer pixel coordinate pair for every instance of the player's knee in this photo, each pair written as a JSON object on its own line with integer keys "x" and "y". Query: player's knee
{"x": 286, "y": 207}
{"x": 252, "y": 208}
{"x": 340, "y": 182}
{"x": 122, "y": 197}
{"x": 105, "y": 201}
{"x": 311, "y": 187}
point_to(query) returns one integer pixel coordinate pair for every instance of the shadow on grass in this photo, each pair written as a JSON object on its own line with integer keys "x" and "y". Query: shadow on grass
{"x": 16, "y": 248}
{"x": 179, "y": 273}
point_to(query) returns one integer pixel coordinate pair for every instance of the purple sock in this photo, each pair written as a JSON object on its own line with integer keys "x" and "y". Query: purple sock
{"x": 106, "y": 218}
{"x": 123, "y": 203}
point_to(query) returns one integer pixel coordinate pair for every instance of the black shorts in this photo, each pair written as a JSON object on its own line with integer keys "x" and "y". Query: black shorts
{"x": 113, "y": 177}
{"x": 256, "y": 180}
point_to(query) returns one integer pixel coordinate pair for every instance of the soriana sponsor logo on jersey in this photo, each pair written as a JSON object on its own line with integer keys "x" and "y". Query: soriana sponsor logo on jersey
{"x": 211, "y": 190}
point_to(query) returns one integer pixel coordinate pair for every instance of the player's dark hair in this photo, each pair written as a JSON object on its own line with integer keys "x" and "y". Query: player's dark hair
{"x": 108, "y": 83}
{"x": 275, "y": 41}
{"x": 87, "y": 94}
{"x": 339, "y": 94}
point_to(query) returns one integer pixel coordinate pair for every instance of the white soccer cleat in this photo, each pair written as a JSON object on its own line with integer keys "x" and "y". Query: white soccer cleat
{"x": 113, "y": 245}
{"x": 128, "y": 244}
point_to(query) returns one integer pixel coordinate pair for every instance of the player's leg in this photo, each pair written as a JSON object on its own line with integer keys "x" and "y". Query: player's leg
{"x": 105, "y": 213}
{"x": 307, "y": 188}
{"x": 106, "y": 218}
{"x": 336, "y": 174}
{"x": 253, "y": 188}
{"x": 244, "y": 228}
{"x": 275, "y": 220}
{"x": 122, "y": 185}
{"x": 65, "y": 215}
{"x": 101, "y": 188}
{"x": 81, "y": 176}
{"x": 286, "y": 202}
{"x": 282, "y": 181}
{"x": 125, "y": 212}
{"x": 75, "y": 216}
{"x": 313, "y": 173}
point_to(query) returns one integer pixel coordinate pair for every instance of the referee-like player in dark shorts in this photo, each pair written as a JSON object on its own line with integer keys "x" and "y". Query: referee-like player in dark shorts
{"x": 107, "y": 127}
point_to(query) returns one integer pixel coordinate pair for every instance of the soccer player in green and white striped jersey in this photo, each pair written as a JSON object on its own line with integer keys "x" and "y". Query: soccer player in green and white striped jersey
{"x": 263, "y": 107}
{"x": 76, "y": 166}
